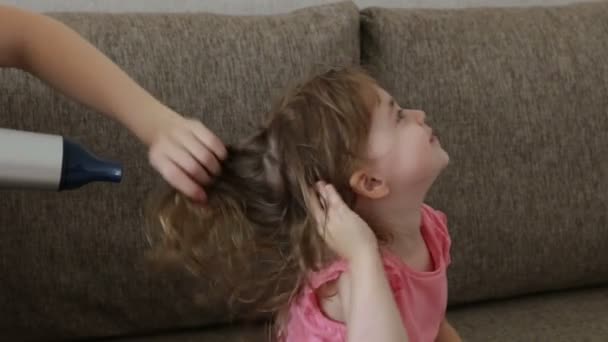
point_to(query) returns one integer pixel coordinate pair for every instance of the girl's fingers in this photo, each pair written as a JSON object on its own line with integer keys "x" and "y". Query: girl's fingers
{"x": 316, "y": 208}
{"x": 330, "y": 197}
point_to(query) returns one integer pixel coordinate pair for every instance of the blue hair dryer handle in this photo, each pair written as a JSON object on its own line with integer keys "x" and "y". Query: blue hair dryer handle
{"x": 80, "y": 167}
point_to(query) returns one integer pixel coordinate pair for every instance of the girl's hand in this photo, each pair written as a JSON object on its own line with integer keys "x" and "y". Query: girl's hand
{"x": 343, "y": 230}
{"x": 186, "y": 153}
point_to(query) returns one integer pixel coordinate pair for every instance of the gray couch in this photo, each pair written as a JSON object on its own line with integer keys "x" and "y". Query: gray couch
{"x": 519, "y": 96}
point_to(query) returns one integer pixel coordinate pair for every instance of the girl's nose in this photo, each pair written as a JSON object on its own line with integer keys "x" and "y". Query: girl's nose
{"x": 420, "y": 116}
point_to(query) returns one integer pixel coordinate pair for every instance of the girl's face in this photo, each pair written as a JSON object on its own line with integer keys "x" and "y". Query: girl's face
{"x": 402, "y": 150}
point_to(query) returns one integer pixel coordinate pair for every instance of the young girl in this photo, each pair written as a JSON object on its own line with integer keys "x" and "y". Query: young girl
{"x": 182, "y": 150}
{"x": 319, "y": 218}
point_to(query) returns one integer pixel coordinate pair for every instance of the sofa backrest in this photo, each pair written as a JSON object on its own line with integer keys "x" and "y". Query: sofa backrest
{"x": 248, "y": 7}
{"x": 519, "y": 97}
{"x": 72, "y": 264}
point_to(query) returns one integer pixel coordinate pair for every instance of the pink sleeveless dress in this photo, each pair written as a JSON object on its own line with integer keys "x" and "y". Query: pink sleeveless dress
{"x": 420, "y": 296}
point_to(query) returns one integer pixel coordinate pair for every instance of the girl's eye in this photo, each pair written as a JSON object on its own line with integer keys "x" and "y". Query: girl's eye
{"x": 400, "y": 115}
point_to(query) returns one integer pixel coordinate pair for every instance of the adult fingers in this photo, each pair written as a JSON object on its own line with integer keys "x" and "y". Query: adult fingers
{"x": 200, "y": 152}
{"x": 186, "y": 162}
{"x": 176, "y": 177}
{"x": 213, "y": 143}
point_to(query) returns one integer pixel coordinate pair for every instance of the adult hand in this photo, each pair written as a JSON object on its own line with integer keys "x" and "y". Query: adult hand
{"x": 187, "y": 154}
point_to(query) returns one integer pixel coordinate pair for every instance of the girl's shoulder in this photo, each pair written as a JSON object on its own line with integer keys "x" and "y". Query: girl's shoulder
{"x": 436, "y": 223}
{"x": 432, "y": 219}
{"x": 328, "y": 274}
{"x": 332, "y": 272}
{"x": 319, "y": 308}
{"x": 434, "y": 216}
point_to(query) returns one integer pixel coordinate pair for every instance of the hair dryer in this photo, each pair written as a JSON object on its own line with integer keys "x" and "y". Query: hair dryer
{"x": 40, "y": 161}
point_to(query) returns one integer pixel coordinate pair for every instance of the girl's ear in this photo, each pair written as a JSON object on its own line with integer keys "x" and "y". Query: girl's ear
{"x": 369, "y": 186}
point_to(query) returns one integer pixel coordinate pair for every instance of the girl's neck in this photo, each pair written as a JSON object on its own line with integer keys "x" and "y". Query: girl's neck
{"x": 404, "y": 227}
{"x": 401, "y": 218}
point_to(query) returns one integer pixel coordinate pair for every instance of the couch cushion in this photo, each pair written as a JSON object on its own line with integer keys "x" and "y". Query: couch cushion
{"x": 519, "y": 97}
{"x": 567, "y": 316}
{"x": 72, "y": 264}
{"x": 559, "y": 317}
{"x": 227, "y": 333}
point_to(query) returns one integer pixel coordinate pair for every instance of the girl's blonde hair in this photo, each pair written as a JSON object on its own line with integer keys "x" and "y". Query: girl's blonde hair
{"x": 256, "y": 236}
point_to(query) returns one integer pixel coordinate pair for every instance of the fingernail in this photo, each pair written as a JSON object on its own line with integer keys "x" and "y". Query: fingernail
{"x": 200, "y": 197}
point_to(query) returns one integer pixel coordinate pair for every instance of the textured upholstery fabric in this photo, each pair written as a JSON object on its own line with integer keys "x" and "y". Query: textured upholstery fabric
{"x": 560, "y": 317}
{"x": 253, "y": 6}
{"x": 72, "y": 264}
{"x": 518, "y": 97}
